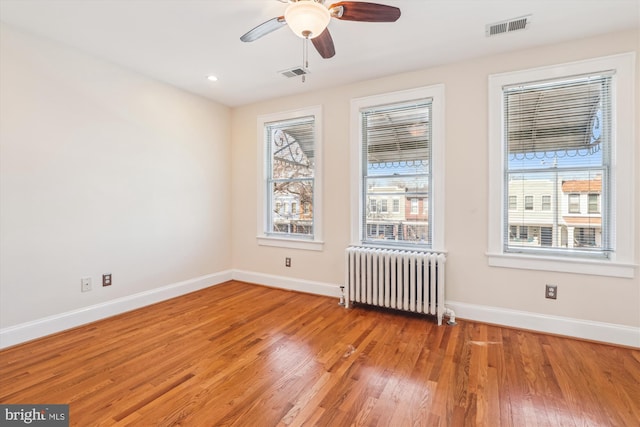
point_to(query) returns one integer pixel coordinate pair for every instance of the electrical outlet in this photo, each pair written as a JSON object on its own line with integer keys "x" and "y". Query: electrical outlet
{"x": 106, "y": 279}
{"x": 551, "y": 292}
{"x": 287, "y": 262}
{"x": 85, "y": 284}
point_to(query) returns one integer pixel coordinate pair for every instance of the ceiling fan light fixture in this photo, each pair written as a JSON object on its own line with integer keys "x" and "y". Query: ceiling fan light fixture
{"x": 307, "y": 18}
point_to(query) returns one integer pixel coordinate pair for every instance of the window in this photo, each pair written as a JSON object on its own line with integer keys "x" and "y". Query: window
{"x": 290, "y": 162}
{"x": 594, "y": 203}
{"x": 584, "y": 236}
{"x": 528, "y": 203}
{"x": 414, "y": 206}
{"x": 560, "y": 130}
{"x": 574, "y": 203}
{"x": 524, "y": 232}
{"x": 546, "y": 236}
{"x": 397, "y": 141}
{"x": 557, "y": 138}
{"x": 383, "y": 205}
{"x": 373, "y": 206}
{"x": 513, "y": 202}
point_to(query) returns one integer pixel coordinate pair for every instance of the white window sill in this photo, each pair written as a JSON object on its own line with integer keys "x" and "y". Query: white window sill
{"x": 309, "y": 245}
{"x": 568, "y": 265}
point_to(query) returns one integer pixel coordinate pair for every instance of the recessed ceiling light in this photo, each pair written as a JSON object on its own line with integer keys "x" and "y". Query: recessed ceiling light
{"x": 212, "y": 78}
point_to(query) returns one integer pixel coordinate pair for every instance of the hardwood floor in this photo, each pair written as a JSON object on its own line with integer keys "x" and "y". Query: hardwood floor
{"x": 244, "y": 355}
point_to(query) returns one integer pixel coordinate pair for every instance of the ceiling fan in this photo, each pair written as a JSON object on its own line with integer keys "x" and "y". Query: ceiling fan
{"x": 309, "y": 19}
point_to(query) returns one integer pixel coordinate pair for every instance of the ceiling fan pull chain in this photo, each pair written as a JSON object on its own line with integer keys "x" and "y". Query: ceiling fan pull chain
{"x": 305, "y": 57}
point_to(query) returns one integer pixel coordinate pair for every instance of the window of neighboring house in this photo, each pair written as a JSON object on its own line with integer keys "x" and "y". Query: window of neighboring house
{"x": 585, "y": 236}
{"x": 513, "y": 231}
{"x": 528, "y": 203}
{"x": 574, "y": 203}
{"x": 513, "y": 203}
{"x": 290, "y": 161}
{"x": 383, "y": 205}
{"x": 373, "y": 205}
{"x": 397, "y": 140}
{"x": 594, "y": 203}
{"x": 414, "y": 206}
{"x": 558, "y": 130}
{"x": 396, "y": 205}
{"x": 524, "y": 232}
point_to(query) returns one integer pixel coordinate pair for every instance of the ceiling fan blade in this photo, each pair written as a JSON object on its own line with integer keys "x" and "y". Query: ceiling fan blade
{"x": 324, "y": 44}
{"x": 363, "y": 11}
{"x": 264, "y": 29}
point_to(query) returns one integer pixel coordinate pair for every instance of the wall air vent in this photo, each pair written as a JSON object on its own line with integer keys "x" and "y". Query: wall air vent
{"x": 294, "y": 72}
{"x": 507, "y": 26}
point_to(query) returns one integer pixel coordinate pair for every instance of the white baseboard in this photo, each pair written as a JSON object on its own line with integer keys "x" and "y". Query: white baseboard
{"x": 28, "y": 331}
{"x": 300, "y": 285}
{"x": 577, "y": 328}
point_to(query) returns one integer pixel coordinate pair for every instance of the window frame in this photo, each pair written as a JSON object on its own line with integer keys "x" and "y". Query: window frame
{"x": 263, "y": 237}
{"x": 414, "y": 205}
{"x": 573, "y": 203}
{"x": 528, "y": 203}
{"x": 593, "y": 207}
{"x": 436, "y": 93}
{"x": 384, "y": 206}
{"x": 373, "y": 205}
{"x": 396, "y": 206}
{"x": 622, "y": 261}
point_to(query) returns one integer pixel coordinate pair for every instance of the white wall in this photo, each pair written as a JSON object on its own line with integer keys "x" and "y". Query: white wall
{"x": 471, "y": 284}
{"x": 103, "y": 170}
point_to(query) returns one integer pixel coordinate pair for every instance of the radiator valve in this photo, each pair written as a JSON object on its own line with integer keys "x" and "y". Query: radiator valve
{"x": 341, "y": 295}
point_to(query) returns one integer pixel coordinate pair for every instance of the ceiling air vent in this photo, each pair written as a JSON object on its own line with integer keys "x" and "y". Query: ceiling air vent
{"x": 508, "y": 26}
{"x": 294, "y": 72}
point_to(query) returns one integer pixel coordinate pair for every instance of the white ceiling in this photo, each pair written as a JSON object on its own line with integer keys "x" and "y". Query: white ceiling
{"x": 180, "y": 42}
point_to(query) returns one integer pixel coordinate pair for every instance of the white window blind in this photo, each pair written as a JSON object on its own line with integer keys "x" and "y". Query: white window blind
{"x": 558, "y": 143}
{"x": 396, "y": 153}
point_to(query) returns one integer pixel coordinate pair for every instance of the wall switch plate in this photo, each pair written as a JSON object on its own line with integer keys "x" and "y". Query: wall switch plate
{"x": 106, "y": 279}
{"x": 85, "y": 284}
{"x": 287, "y": 262}
{"x": 551, "y": 292}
